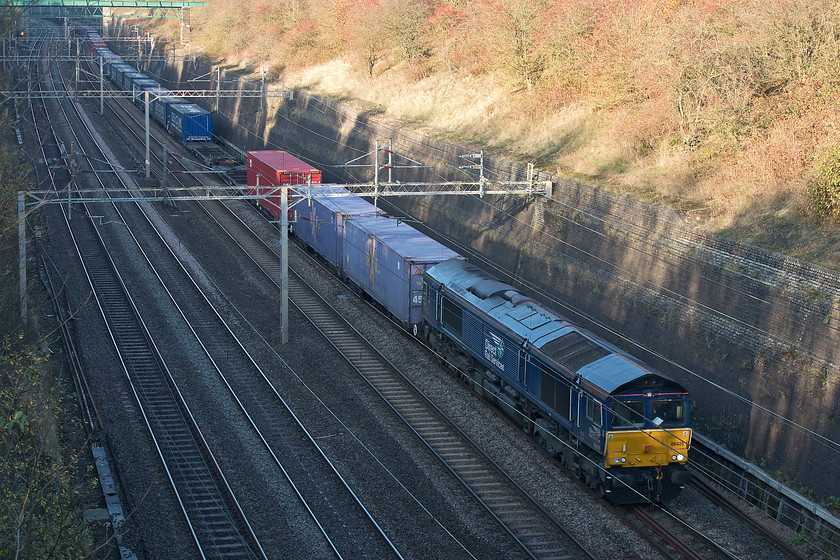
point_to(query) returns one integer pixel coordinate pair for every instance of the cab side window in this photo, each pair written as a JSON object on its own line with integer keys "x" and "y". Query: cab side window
{"x": 593, "y": 411}
{"x": 627, "y": 414}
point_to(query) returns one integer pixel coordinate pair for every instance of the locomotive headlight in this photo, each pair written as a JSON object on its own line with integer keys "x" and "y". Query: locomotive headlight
{"x": 624, "y": 459}
{"x": 680, "y": 457}
{"x": 673, "y": 457}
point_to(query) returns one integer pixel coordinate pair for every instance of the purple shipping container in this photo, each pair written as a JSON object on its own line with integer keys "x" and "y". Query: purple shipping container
{"x": 387, "y": 259}
{"x": 320, "y": 220}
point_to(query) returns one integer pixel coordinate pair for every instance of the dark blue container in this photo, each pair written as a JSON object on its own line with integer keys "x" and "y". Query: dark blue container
{"x": 109, "y": 61}
{"x": 128, "y": 79}
{"x": 154, "y": 89}
{"x": 190, "y": 123}
{"x": 116, "y": 71}
{"x": 160, "y": 107}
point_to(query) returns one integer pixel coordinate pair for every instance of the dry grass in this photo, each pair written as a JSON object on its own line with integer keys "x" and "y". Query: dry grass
{"x": 715, "y": 108}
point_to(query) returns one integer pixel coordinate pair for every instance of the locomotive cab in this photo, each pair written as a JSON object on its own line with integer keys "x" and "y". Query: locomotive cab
{"x": 647, "y": 437}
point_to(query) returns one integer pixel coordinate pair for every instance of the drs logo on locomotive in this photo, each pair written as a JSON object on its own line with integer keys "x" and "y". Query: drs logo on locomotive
{"x": 494, "y": 349}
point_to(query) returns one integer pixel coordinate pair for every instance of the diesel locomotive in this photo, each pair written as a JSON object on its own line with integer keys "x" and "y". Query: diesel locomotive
{"x": 615, "y": 422}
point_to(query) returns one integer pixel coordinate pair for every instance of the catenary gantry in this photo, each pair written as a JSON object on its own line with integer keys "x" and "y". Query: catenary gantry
{"x": 106, "y": 8}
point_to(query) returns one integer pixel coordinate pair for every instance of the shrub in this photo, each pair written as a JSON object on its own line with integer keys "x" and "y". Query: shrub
{"x": 823, "y": 188}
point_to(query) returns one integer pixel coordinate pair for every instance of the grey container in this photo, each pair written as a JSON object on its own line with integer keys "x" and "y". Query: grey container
{"x": 321, "y": 219}
{"x": 387, "y": 259}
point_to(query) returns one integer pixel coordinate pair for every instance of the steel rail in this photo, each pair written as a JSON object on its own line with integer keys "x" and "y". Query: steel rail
{"x": 527, "y": 523}
{"x": 707, "y": 489}
{"x": 96, "y": 435}
{"x": 141, "y": 362}
{"x": 357, "y": 542}
{"x": 471, "y": 473}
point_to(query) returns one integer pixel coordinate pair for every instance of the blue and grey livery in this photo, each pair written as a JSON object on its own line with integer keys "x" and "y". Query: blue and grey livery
{"x": 616, "y": 422}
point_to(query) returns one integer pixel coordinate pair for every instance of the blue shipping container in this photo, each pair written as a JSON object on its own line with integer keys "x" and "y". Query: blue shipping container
{"x": 321, "y": 220}
{"x": 154, "y": 93}
{"x": 190, "y": 123}
{"x": 128, "y": 79}
{"x": 387, "y": 259}
{"x": 160, "y": 107}
{"x": 142, "y": 86}
{"x": 116, "y": 71}
{"x": 110, "y": 61}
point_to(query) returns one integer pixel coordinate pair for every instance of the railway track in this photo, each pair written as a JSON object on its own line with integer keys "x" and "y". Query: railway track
{"x": 687, "y": 542}
{"x": 731, "y": 506}
{"x": 675, "y": 537}
{"x": 465, "y": 466}
{"x": 345, "y": 522}
{"x": 217, "y": 524}
{"x": 383, "y": 382}
{"x": 528, "y": 524}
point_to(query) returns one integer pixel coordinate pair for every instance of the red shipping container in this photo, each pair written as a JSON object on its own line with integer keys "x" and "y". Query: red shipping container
{"x": 272, "y": 168}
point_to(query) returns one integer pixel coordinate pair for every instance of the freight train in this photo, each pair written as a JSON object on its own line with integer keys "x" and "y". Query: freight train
{"x": 616, "y": 423}
{"x": 191, "y": 124}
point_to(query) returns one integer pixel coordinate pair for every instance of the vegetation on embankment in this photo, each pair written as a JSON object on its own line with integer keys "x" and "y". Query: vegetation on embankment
{"x": 722, "y": 109}
{"x": 44, "y": 487}
{"x": 40, "y": 515}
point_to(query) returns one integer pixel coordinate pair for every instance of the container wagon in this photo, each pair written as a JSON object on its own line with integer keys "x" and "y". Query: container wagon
{"x": 115, "y": 72}
{"x": 160, "y": 107}
{"x": 152, "y": 86}
{"x": 128, "y": 79}
{"x": 321, "y": 220}
{"x": 385, "y": 257}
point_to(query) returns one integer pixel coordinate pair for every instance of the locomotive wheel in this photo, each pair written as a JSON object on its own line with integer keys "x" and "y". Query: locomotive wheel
{"x": 542, "y": 441}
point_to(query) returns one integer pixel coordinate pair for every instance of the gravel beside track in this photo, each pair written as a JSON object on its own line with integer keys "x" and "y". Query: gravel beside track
{"x": 520, "y": 456}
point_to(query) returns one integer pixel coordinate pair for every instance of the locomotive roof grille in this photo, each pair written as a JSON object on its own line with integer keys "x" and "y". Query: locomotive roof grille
{"x": 574, "y": 350}
{"x": 489, "y": 287}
